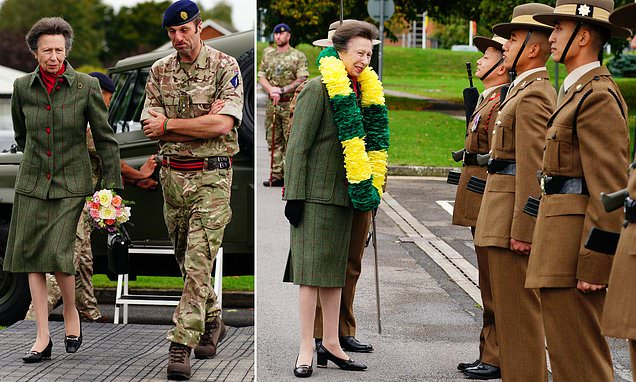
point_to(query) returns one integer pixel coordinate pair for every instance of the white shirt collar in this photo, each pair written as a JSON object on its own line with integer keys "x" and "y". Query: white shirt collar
{"x": 526, "y": 74}
{"x": 489, "y": 91}
{"x": 579, "y": 72}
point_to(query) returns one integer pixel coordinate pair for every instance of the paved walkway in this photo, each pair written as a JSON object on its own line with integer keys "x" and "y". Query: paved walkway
{"x": 120, "y": 353}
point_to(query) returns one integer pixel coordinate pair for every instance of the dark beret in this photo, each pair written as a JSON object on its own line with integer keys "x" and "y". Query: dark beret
{"x": 179, "y": 13}
{"x": 282, "y": 27}
{"x": 104, "y": 81}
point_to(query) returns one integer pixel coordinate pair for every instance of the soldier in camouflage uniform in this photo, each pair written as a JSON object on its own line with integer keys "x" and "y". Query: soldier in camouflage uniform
{"x": 197, "y": 139}
{"x": 281, "y": 71}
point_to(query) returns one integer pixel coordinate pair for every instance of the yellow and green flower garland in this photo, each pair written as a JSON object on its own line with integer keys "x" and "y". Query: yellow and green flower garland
{"x": 363, "y": 132}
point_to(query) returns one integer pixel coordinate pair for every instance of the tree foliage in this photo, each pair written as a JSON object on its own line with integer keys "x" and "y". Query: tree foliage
{"x": 134, "y": 30}
{"x": 220, "y": 12}
{"x": 86, "y": 17}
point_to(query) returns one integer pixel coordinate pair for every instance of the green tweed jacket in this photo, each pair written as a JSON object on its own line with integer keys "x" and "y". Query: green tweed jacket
{"x": 314, "y": 163}
{"x": 51, "y": 131}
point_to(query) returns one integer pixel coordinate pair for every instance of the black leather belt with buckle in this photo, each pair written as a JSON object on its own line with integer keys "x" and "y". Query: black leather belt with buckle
{"x": 630, "y": 210}
{"x": 502, "y": 166}
{"x": 197, "y": 164}
{"x": 563, "y": 185}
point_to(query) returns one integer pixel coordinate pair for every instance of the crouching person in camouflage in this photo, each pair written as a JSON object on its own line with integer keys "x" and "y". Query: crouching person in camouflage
{"x": 194, "y": 103}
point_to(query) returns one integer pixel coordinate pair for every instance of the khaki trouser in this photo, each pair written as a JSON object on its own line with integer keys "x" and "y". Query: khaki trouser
{"x": 519, "y": 327}
{"x": 578, "y": 351}
{"x": 488, "y": 348}
{"x": 347, "y": 322}
{"x": 279, "y": 124}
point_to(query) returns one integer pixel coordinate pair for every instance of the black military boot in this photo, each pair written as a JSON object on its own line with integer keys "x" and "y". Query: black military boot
{"x": 214, "y": 333}
{"x": 178, "y": 362}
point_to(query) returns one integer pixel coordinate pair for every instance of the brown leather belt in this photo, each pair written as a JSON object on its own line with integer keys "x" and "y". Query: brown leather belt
{"x": 197, "y": 164}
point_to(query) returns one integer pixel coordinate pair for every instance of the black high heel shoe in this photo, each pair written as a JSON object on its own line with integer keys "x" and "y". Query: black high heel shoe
{"x": 303, "y": 371}
{"x": 33, "y": 356}
{"x": 72, "y": 343}
{"x": 344, "y": 364}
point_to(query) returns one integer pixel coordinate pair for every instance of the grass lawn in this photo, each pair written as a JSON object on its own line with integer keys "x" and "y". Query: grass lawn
{"x": 230, "y": 283}
{"x": 424, "y": 138}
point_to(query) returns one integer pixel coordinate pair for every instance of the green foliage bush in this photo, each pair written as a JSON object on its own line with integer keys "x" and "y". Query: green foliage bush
{"x": 623, "y": 65}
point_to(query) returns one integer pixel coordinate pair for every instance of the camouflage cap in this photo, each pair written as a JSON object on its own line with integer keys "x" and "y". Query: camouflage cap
{"x": 282, "y": 27}
{"x": 179, "y": 13}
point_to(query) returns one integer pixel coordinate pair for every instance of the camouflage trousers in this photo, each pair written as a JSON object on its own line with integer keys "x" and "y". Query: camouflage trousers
{"x": 279, "y": 131}
{"x": 83, "y": 259}
{"x": 196, "y": 211}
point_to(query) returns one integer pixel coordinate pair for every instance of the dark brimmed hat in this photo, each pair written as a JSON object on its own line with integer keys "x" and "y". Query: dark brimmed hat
{"x": 624, "y": 16}
{"x": 179, "y": 13}
{"x": 483, "y": 43}
{"x": 282, "y": 27}
{"x": 105, "y": 83}
{"x": 522, "y": 19}
{"x": 595, "y": 12}
{"x": 325, "y": 42}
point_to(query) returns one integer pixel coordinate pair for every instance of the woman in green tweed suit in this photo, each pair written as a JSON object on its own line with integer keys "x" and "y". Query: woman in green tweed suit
{"x": 318, "y": 202}
{"x": 51, "y": 108}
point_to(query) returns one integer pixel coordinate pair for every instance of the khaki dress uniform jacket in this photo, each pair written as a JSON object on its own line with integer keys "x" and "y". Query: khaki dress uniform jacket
{"x": 315, "y": 173}
{"x": 587, "y": 138}
{"x": 478, "y": 138}
{"x": 55, "y": 172}
{"x": 518, "y": 136}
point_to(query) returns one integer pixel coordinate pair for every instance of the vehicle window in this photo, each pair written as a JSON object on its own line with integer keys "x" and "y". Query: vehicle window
{"x": 128, "y": 100}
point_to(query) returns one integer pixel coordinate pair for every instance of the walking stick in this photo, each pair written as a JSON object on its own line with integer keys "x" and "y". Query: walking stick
{"x": 377, "y": 276}
{"x": 271, "y": 156}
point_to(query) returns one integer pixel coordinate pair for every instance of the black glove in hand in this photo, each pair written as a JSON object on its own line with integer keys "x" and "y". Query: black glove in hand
{"x": 294, "y": 211}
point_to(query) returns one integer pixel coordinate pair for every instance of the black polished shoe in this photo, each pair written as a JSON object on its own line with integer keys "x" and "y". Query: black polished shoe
{"x": 274, "y": 183}
{"x": 483, "y": 371}
{"x": 302, "y": 371}
{"x": 345, "y": 364}
{"x": 37, "y": 356}
{"x": 350, "y": 343}
{"x": 72, "y": 343}
{"x": 465, "y": 365}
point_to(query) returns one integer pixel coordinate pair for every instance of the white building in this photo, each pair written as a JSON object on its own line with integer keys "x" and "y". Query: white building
{"x": 7, "y": 76}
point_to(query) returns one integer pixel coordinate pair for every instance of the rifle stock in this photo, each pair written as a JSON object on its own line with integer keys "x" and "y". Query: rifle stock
{"x": 615, "y": 200}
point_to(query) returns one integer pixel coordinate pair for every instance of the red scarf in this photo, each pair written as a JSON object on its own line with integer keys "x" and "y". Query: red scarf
{"x": 50, "y": 79}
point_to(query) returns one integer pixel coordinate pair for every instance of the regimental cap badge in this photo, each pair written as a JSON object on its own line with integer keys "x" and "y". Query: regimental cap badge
{"x": 184, "y": 15}
{"x": 584, "y": 10}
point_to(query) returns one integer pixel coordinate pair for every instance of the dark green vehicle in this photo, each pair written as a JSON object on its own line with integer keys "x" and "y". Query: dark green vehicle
{"x": 152, "y": 248}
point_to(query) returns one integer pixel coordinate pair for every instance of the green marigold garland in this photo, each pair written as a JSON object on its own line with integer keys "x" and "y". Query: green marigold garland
{"x": 363, "y": 132}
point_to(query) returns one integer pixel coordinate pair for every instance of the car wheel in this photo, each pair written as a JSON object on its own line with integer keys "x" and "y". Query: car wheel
{"x": 14, "y": 287}
{"x": 246, "y": 131}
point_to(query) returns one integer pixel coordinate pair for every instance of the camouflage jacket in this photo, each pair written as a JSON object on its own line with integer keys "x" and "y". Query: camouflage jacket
{"x": 283, "y": 68}
{"x": 179, "y": 93}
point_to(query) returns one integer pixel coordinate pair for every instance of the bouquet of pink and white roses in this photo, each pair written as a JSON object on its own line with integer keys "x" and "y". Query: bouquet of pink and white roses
{"x": 108, "y": 211}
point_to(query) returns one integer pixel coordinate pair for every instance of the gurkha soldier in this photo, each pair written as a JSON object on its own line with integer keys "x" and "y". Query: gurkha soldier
{"x": 586, "y": 152}
{"x": 502, "y": 226}
{"x": 619, "y": 312}
{"x": 281, "y": 71}
{"x": 196, "y": 142}
{"x": 494, "y": 76}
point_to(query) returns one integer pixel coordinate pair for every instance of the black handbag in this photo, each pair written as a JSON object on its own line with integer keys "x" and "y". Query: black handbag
{"x": 118, "y": 258}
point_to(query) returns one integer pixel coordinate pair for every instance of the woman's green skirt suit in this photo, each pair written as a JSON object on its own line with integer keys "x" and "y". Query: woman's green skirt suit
{"x": 55, "y": 173}
{"x": 315, "y": 173}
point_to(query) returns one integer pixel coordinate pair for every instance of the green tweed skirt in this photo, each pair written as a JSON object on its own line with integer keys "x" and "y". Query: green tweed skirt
{"x": 42, "y": 234}
{"x": 320, "y": 246}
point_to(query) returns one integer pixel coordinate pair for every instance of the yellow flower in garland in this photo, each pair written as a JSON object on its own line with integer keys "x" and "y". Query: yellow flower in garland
{"x": 364, "y": 133}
